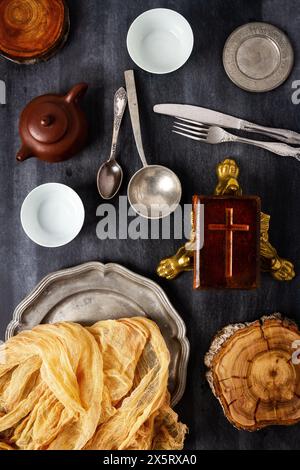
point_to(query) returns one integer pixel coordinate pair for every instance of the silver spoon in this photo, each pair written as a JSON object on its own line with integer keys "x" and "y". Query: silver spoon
{"x": 154, "y": 191}
{"x": 110, "y": 174}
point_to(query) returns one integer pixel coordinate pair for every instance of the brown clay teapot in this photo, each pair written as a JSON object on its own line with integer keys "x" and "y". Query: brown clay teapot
{"x": 53, "y": 127}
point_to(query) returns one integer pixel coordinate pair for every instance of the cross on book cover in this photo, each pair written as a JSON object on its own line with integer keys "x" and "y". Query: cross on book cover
{"x": 230, "y": 255}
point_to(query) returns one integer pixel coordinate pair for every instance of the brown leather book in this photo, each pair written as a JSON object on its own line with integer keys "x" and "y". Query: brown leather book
{"x": 229, "y": 258}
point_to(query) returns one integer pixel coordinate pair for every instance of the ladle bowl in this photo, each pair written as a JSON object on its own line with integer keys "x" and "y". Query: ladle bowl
{"x": 154, "y": 191}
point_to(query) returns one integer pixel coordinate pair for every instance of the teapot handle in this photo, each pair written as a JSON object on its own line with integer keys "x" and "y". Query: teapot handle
{"x": 76, "y": 93}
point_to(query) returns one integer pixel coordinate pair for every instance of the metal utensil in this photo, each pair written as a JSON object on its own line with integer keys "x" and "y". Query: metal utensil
{"x": 154, "y": 191}
{"x": 208, "y": 116}
{"x": 110, "y": 174}
{"x": 217, "y": 135}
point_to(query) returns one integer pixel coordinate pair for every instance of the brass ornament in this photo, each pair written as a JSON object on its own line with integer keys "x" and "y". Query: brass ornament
{"x": 279, "y": 268}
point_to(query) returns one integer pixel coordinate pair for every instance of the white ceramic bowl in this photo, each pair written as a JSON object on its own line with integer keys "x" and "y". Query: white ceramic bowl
{"x": 52, "y": 215}
{"x": 160, "y": 40}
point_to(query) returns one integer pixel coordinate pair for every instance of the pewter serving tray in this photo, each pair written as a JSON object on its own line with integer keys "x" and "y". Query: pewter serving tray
{"x": 94, "y": 291}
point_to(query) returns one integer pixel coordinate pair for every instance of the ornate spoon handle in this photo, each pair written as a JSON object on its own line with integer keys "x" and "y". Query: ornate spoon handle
{"x": 120, "y": 102}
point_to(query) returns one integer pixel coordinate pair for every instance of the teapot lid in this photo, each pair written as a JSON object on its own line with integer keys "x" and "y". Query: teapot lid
{"x": 47, "y": 122}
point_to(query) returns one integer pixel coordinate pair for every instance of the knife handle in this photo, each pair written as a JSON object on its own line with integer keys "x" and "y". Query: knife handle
{"x": 276, "y": 147}
{"x": 284, "y": 135}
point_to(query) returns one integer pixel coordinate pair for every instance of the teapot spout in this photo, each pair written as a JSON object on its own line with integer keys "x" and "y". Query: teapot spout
{"x": 76, "y": 93}
{"x": 23, "y": 153}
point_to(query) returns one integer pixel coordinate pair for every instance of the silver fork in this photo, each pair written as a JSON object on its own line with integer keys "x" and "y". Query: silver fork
{"x": 216, "y": 135}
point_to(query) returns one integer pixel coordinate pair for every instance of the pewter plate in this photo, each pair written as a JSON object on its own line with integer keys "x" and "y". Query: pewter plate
{"x": 258, "y": 57}
{"x": 94, "y": 291}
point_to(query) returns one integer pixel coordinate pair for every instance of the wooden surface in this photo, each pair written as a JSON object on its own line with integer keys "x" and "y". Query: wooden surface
{"x": 96, "y": 53}
{"x": 30, "y": 29}
{"x": 254, "y": 373}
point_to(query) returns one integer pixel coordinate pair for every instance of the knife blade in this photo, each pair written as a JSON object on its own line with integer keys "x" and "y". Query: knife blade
{"x": 208, "y": 116}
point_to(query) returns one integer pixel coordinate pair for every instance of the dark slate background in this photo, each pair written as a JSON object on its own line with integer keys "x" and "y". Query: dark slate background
{"x": 96, "y": 52}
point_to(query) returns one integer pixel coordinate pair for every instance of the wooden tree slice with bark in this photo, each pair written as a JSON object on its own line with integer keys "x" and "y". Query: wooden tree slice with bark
{"x": 254, "y": 372}
{"x": 32, "y": 30}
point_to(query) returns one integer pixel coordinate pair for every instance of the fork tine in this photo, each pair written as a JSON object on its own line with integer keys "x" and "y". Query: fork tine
{"x": 188, "y": 126}
{"x": 198, "y": 124}
{"x": 199, "y": 133}
{"x": 200, "y": 139}
{"x": 196, "y": 128}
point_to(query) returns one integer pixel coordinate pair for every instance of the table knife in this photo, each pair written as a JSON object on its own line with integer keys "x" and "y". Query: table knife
{"x": 208, "y": 116}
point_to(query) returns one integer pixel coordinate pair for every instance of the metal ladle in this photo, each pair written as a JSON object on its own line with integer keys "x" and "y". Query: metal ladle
{"x": 110, "y": 174}
{"x": 154, "y": 191}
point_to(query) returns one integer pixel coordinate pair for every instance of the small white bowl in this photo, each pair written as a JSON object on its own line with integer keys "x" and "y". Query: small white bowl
{"x": 160, "y": 40}
{"x": 52, "y": 215}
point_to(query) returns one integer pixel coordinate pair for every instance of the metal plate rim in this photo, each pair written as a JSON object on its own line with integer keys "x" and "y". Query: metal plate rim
{"x": 137, "y": 278}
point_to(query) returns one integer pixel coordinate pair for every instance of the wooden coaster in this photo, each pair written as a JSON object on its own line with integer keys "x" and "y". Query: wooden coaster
{"x": 254, "y": 372}
{"x": 32, "y": 30}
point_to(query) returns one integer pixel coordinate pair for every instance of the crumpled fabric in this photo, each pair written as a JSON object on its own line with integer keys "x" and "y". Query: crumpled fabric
{"x": 67, "y": 387}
